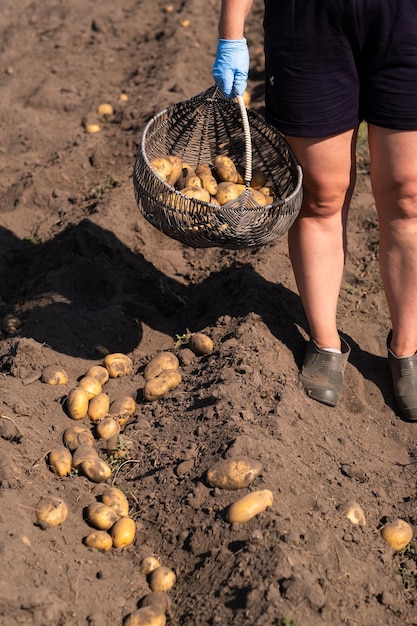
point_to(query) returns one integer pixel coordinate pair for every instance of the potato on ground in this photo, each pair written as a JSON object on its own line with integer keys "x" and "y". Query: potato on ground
{"x": 146, "y": 616}
{"x": 107, "y": 428}
{"x": 100, "y": 540}
{"x": 162, "y": 579}
{"x": 233, "y": 473}
{"x": 249, "y": 506}
{"x": 54, "y": 375}
{"x": 76, "y": 404}
{"x": 60, "y": 461}
{"x": 76, "y": 436}
{"x": 101, "y": 516}
{"x": 83, "y": 452}
{"x": 158, "y": 387}
{"x": 95, "y": 469}
{"x": 123, "y": 532}
{"x": 397, "y": 534}
{"x": 116, "y": 499}
{"x": 118, "y": 364}
{"x": 98, "y": 407}
{"x": 160, "y": 362}
{"x": 51, "y": 512}
{"x": 99, "y": 372}
{"x": 201, "y": 344}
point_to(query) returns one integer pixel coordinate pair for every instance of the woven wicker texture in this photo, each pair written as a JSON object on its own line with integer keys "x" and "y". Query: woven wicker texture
{"x": 197, "y": 130}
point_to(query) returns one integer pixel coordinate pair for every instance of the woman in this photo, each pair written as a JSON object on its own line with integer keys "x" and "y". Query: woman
{"x": 329, "y": 64}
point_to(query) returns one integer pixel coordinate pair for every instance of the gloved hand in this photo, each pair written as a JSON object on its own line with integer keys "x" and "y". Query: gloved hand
{"x": 231, "y": 66}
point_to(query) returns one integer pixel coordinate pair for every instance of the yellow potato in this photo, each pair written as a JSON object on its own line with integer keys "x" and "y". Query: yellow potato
{"x": 90, "y": 385}
{"x": 204, "y": 172}
{"x": 105, "y": 109}
{"x": 116, "y": 499}
{"x": 258, "y": 196}
{"x": 95, "y": 469}
{"x": 54, "y": 375}
{"x": 148, "y": 564}
{"x": 249, "y": 506}
{"x": 146, "y": 616}
{"x": 354, "y": 512}
{"x": 158, "y": 387}
{"x": 188, "y": 178}
{"x": 225, "y": 169}
{"x": 162, "y": 579}
{"x": 51, "y": 512}
{"x": 122, "y": 408}
{"x": 76, "y": 436}
{"x": 200, "y": 344}
{"x": 118, "y": 364}
{"x": 76, "y": 404}
{"x": 226, "y": 192}
{"x": 98, "y": 407}
{"x": 196, "y": 193}
{"x": 123, "y": 532}
{"x": 160, "y": 362}
{"x": 234, "y": 473}
{"x": 157, "y": 599}
{"x": 107, "y": 428}
{"x": 397, "y": 534}
{"x": 168, "y": 167}
{"x": 101, "y": 516}
{"x": 99, "y": 372}
{"x": 100, "y": 540}
{"x": 82, "y": 453}
{"x": 60, "y": 461}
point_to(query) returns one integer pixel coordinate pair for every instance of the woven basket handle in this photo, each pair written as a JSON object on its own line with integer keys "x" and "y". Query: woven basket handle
{"x": 248, "y": 141}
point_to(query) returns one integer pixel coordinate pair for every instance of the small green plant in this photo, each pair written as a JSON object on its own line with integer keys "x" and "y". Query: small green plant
{"x": 287, "y": 621}
{"x": 100, "y": 190}
{"x": 181, "y": 339}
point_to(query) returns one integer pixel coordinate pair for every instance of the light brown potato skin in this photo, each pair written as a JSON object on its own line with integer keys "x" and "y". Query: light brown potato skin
{"x": 162, "y": 579}
{"x": 200, "y": 344}
{"x": 90, "y": 385}
{"x": 160, "y": 362}
{"x": 100, "y": 540}
{"x": 188, "y": 178}
{"x": 225, "y": 169}
{"x": 146, "y": 616}
{"x": 54, "y": 375}
{"x": 99, "y": 372}
{"x": 249, "y": 506}
{"x": 204, "y": 172}
{"x": 234, "y": 473}
{"x": 101, "y": 516}
{"x": 228, "y": 191}
{"x": 116, "y": 499}
{"x": 257, "y": 181}
{"x": 98, "y": 407}
{"x": 76, "y": 436}
{"x": 76, "y": 404}
{"x": 158, "y": 387}
{"x": 118, "y": 364}
{"x": 95, "y": 470}
{"x": 123, "y": 532}
{"x": 107, "y": 428}
{"x": 60, "y": 461}
{"x": 51, "y": 511}
{"x": 397, "y": 534}
{"x": 82, "y": 453}
{"x": 196, "y": 193}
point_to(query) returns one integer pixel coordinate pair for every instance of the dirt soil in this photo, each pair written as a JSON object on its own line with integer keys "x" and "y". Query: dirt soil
{"x": 83, "y": 274}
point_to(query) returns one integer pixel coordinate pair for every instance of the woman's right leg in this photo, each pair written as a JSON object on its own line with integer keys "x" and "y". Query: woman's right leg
{"x": 317, "y": 245}
{"x": 317, "y": 240}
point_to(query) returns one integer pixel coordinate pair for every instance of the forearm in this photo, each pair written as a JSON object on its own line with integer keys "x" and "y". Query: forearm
{"x": 232, "y": 18}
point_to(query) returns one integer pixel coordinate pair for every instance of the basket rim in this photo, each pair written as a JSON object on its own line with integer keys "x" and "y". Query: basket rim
{"x": 214, "y": 92}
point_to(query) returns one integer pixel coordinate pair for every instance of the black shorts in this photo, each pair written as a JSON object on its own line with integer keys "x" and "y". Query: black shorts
{"x": 332, "y": 63}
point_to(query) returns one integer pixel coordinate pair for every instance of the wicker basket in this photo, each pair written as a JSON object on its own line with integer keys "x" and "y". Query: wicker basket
{"x": 197, "y": 130}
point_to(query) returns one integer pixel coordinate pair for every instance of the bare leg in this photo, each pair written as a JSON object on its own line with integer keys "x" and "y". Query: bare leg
{"x": 317, "y": 241}
{"x": 394, "y": 182}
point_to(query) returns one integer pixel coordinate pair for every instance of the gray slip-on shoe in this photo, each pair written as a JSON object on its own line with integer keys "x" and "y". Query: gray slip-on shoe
{"x": 322, "y": 373}
{"x": 404, "y": 380}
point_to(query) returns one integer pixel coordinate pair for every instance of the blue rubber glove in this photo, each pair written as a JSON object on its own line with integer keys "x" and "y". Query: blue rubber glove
{"x": 231, "y": 66}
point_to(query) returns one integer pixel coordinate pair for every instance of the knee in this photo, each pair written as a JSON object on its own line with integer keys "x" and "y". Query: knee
{"x": 399, "y": 201}
{"x": 326, "y": 197}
